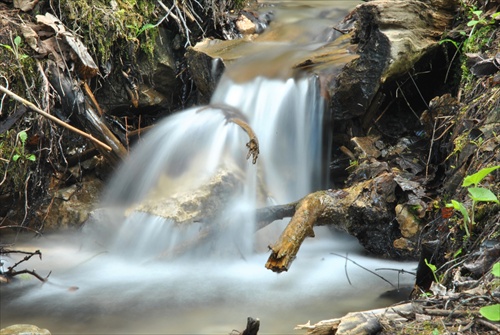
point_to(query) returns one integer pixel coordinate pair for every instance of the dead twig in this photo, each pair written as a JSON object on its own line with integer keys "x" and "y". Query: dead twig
{"x": 235, "y": 116}
{"x": 31, "y": 272}
{"x": 374, "y": 273}
{"x": 52, "y": 118}
{"x": 87, "y": 90}
{"x": 489, "y": 325}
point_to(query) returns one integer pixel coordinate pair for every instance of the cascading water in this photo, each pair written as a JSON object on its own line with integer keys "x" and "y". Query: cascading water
{"x": 125, "y": 265}
{"x": 188, "y": 149}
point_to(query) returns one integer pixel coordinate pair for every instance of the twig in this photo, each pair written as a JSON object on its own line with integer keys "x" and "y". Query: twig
{"x": 235, "y": 116}
{"x": 32, "y": 272}
{"x": 407, "y": 102}
{"x": 3, "y": 97}
{"x": 430, "y": 150}
{"x": 52, "y": 118}
{"x": 87, "y": 90}
{"x": 26, "y": 258}
{"x": 374, "y": 273}
{"x": 345, "y": 270}
{"x": 418, "y": 90}
{"x": 444, "y": 312}
{"x": 488, "y": 324}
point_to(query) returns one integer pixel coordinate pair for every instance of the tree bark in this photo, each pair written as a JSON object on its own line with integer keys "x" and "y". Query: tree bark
{"x": 364, "y": 210}
{"x": 79, "y": 110}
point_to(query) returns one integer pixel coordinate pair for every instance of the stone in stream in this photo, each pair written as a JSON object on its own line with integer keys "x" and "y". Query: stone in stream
{"x": 23, "y": 329}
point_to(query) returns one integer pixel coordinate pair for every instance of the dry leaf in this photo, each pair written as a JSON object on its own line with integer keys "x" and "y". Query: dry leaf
{"x": 25, "y": 5}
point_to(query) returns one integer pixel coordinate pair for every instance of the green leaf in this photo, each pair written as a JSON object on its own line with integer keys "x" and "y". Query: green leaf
{"x": 17, "y": 40}
{"x": 472, "y": 23}
{"x": 491, "y": 312}
{"x": 145, "y": 27}
{"x": 478, "y": 13}
{"x": 476, "y": 178}
{"x": 16, "y": 157}
{"x": 31, "y": 157}
{"x": 449, "y": 41}
{"x": 496, "y": 269}
{"x": 8, "y": 47}
{"x": 430, "y": 265}
{"x": 482, "y": 194}
{"x": 23, "y": 136}
{"x": 460, "y": 207}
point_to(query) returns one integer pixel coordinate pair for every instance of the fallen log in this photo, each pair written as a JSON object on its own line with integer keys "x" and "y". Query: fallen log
{"x": 364, "y": 210}
{"x": 79, "y": 109}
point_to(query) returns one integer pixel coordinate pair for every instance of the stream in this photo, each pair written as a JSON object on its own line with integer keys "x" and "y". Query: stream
{"x": 120, "y": 296}
{"x": 112, "y": 277}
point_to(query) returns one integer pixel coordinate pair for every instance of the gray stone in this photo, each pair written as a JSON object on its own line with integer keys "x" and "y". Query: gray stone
{"x": 23, "y": 329}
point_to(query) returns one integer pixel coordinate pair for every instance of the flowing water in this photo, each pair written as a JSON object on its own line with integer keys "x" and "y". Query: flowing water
{"x": 119, "y": 274}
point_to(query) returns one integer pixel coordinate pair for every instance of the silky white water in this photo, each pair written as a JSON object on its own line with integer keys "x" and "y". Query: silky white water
{"x": 118, "y": 275}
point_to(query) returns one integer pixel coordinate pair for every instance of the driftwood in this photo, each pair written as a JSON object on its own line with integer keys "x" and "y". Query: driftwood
{"x": 367, "y": 322}
{"x": 363, "y": 210}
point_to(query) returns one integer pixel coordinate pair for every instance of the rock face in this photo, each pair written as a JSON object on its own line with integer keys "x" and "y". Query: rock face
{"x": 23, "y": 329}
{"x": 143, "y": 83}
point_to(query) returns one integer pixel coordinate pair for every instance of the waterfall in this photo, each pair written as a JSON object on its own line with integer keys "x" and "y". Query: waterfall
{"x": 188, "y": 149}
{"x": 124, "y": 264}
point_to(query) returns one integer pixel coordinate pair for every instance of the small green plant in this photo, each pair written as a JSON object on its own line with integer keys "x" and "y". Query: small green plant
{"x": 477, "y": 194}
{"x": 20, "y": 150}
{"x": 492, "y": 312}
{"x": 15, "y": 48}
{"x": 477, "y": 17}
{"x": 433, "y": 269}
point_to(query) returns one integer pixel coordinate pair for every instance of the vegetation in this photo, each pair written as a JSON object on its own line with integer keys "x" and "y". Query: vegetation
{"x": 119, "y": 32}
{"x": 477, "y": 194}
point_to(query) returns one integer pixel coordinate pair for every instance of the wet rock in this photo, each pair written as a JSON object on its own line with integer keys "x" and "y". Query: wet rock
{"x": 71, "y": 205}
{"x": 405, "y": 244}
{"x": 141, "y": 83}
{"x": 366, "y": 145}
{"x": 245, "y": 25}
{"x": 192, "y": 205}
{"x": 207, "y": 61}
{"x": 390, "y": 38}
{"x": 483, "y": 260}
{"x": 409, "y": 225}
{"x": 23, "y": 329}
